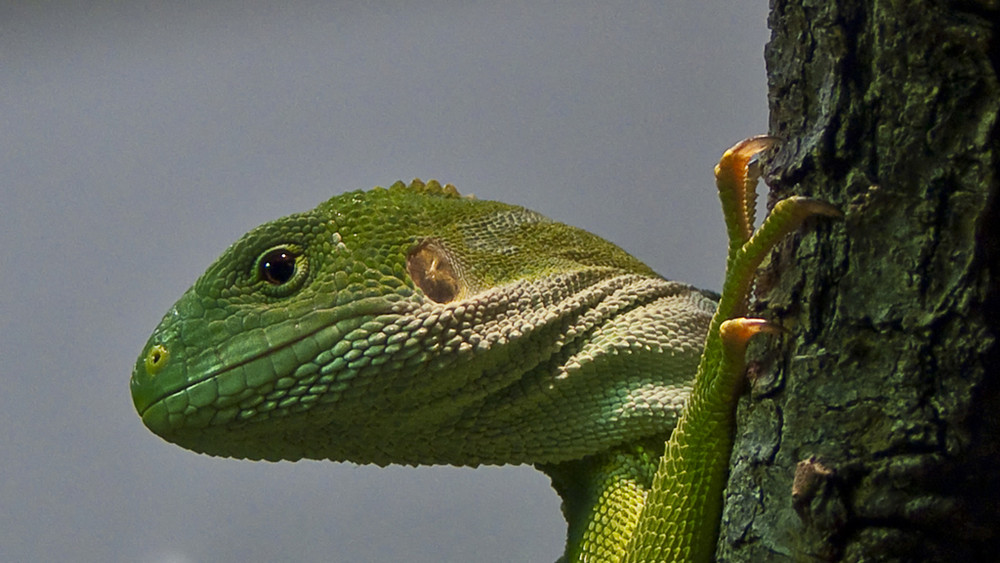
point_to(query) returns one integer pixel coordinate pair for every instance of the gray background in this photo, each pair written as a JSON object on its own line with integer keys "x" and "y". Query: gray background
{"x": 138, "y": 139}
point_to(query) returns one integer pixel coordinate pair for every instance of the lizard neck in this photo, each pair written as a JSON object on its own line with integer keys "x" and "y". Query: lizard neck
{"x": 602, "y": 497}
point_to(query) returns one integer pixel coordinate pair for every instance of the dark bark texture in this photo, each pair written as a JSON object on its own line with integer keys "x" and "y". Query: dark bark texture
{"x": 872, "y": 428}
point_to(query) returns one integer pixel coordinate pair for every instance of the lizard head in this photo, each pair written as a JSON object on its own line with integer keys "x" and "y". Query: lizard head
{"x": 399, "y": 325}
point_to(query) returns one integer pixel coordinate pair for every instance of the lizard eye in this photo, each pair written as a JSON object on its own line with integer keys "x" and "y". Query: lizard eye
{"x": 277, "y": 266}
{"x": 282, "y": 269}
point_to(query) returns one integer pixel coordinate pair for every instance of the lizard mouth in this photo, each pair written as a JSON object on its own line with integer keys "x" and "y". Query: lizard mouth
{"x": 160, "y": 375}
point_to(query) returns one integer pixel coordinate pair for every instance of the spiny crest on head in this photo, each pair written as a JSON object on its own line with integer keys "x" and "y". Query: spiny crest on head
{"x": 432, "y": 187}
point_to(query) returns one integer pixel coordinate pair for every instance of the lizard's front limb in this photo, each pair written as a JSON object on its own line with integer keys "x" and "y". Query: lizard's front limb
{"x": 680, "y": 520}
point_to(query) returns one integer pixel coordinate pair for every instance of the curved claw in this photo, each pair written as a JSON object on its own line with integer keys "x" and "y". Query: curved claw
{"x": 806, "y": 207}
{"x": 737, "y": 332}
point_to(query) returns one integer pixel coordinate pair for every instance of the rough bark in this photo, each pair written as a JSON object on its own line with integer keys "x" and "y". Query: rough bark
{"x": 871, "y": 429}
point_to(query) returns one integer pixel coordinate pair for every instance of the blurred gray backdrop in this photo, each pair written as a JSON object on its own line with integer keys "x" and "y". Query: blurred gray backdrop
{"x": 138, "y": 139}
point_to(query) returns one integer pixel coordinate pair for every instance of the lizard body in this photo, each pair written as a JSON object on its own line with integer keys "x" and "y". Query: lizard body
{"x": 412, "y": 325}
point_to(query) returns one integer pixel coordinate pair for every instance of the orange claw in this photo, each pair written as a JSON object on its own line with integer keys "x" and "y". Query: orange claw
{"x": 737, "y": 332}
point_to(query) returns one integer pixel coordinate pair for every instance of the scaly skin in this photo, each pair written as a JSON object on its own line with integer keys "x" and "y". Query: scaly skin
{"x": 411, "y": 325}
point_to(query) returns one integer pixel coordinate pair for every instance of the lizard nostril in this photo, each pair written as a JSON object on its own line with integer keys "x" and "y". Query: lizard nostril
{"x": 156, "y": 359}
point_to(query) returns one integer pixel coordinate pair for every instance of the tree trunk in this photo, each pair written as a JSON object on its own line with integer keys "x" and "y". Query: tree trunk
{"x": 871, "y": 429}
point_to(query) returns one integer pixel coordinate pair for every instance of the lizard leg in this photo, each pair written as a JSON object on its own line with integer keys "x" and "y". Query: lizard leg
{"x": 680, "y": 520}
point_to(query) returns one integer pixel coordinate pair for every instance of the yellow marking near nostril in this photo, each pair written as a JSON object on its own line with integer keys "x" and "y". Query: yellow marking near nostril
{"x": 156, "y": 359}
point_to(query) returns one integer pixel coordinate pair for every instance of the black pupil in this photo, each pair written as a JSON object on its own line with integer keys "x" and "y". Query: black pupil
{"x": 278, "y": 266}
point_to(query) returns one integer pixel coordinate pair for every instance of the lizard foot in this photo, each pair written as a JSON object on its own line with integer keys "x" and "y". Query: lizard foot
{"x": 736, "y": 178}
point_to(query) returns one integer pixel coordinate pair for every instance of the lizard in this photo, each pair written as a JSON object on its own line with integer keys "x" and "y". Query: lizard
{"x": 413, "y": 325}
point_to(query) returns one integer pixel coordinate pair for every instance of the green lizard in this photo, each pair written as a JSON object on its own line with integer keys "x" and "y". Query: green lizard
{"x": 412, "y": 325}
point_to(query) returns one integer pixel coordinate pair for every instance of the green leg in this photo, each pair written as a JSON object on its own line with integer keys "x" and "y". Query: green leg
{"x": 602, "y": 498}
{"x": 680, "y": 520}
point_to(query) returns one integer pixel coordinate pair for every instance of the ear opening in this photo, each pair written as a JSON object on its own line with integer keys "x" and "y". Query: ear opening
{"x": 432, "y": 270}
